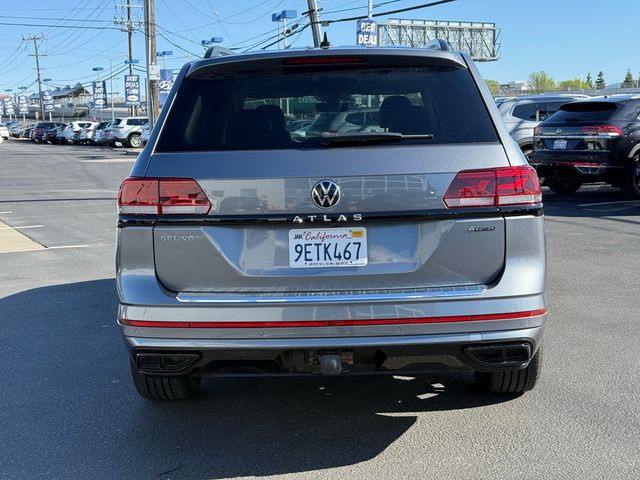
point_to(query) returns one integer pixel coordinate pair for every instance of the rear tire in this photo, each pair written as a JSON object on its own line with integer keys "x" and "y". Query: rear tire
{"x": 631, "y": 183}
{"x": 512, "y": 381}
{"x": 562, "y": 185}
{"x": 164, "y": 388}
{"x": 135, "y": 141}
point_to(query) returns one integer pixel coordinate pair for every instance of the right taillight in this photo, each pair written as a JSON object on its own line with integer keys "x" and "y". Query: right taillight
{"x": 495, "y": 187}
{"x": 162, "y": 196}
{"x": 610, "y": 130}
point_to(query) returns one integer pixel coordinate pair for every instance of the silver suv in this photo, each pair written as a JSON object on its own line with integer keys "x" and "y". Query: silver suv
{"x": 245, "y": 251}
{"x": 522, "y": 114}
{"x": 127, "y": 131}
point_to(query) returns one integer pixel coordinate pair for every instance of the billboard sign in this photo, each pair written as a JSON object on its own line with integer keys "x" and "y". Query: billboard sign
{"x": 132, "y": 90}
{"x": 367, "y": 33}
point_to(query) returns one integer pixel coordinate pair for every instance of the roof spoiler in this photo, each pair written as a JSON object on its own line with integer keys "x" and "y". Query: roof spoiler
{"x": 217, "y": 51}
{"x": 439, "y": 44}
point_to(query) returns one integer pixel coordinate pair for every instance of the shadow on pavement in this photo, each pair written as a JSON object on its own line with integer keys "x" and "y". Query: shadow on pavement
{"x": 590, "y": 201}
{"x": 70, "y": 410}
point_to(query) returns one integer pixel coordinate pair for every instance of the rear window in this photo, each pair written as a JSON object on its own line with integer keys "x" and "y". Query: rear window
{"x": 585, "y": 111}
{"x": 240, "y": 112}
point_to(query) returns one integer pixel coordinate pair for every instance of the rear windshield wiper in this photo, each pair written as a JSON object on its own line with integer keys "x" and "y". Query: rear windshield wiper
{"x": 367, "y": 138}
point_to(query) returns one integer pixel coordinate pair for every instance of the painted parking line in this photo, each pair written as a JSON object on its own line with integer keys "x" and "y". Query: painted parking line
{"x": 22, "y": 227}
{"x": 109, "y": 160}
{"x": 5, "y": 212}
{"x": 12, "y": 240}
{"x": 631, "y": 202}
{"x": 42, "y": 248}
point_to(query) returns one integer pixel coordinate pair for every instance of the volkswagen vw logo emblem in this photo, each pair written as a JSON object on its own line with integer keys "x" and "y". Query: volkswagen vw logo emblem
{"x": 325, "y": 194}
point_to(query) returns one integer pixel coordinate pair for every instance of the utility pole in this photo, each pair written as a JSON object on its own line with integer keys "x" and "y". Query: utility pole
{"x": 129, "y": 24}
{"x": 153, "y": 73}
{"x": 35, "y": 39}
{"x": 314, "y": 19}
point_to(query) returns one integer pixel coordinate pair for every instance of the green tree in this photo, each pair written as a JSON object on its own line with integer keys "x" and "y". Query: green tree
{"x": 600, "y": 84}
{"x": 628, "y": 80}
{"x": 541, "y": 82}
{"x": 574, "y": 84}
{"x": 494, "y": 87}
{"x": 589, "y": 81}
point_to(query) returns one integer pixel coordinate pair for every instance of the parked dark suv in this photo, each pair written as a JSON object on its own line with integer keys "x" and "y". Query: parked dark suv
{"x": 594, "y": 140}
{"x": 522, "y": 114}
{"x": 412, "y": 246}
{"x": 41, "y": 127}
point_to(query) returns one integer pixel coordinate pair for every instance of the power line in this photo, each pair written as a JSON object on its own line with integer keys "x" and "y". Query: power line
{"x": 56, "y": 26}
{"x": 390, "y": 12}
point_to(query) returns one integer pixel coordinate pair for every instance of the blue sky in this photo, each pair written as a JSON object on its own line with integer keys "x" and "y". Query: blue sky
{"x": 566, "y": 38}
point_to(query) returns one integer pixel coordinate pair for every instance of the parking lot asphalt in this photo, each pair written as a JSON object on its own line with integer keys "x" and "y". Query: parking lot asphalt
{"x": 68, "y": 408}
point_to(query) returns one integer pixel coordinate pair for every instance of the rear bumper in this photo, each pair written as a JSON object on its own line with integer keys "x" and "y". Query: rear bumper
{"x": 482, "y": 351}
{"x": 583, "y": 166}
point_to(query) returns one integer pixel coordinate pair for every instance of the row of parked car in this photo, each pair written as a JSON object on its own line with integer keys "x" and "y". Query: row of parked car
{"x": 127, "y": 132}
{"x": 575, "y": 139}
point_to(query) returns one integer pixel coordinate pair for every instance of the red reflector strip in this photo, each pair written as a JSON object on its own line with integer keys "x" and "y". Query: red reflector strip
{"x": 335, "y": 323}
{"x": 323, "y": 60}
{"x": 585, "y": 164}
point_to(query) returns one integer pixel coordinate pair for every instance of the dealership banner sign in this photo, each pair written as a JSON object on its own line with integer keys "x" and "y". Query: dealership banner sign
{"x": 23, "y": 104}
{"x": 8, "y": 106}
{"x": 165, "y": 85}
{"x": 132, "y": 90}
{"x": 47, "y": 101}
{"x": 100, "y": 94}
{"x": 367, "y": 33}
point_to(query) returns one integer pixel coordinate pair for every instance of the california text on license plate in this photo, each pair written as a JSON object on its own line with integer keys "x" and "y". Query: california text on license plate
{"x": 328, "y": 247}
{"x": 560, "y": 144}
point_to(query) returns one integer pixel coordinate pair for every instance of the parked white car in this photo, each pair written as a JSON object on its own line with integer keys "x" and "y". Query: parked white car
{"x": 4, "y": 132}
{"x": 71, "y": 134}
{"x": 86, "y": 133}
{"x": 146, "y": 132}
{"x": 99, "y": 132}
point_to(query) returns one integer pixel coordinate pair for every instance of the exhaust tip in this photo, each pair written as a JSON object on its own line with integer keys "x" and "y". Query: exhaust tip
{"x": 500, "y": 355}
{"x": 165, "y": 362}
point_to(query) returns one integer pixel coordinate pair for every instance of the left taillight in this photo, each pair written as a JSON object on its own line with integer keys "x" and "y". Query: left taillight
{"x": 495, "y": 187}
{"x": 162, "y": 196}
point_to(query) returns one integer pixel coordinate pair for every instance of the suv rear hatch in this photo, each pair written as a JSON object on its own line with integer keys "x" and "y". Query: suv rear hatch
{"x": 579, "y": 126}
{"x": 264, "y": 232}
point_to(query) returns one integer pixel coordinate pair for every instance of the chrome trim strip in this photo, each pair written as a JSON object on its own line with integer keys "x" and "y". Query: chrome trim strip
{"x": 293, "y": 298}
{"x": 534, "y": 333}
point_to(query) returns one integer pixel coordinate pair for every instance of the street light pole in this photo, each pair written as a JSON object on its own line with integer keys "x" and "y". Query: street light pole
{"x": 164, "y": 54}
{"x": 282, "y": 17}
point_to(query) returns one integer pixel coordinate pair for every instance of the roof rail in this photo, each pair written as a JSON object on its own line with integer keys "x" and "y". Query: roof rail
{"x": 218, "y": 51}
{"x": 438, "y": 44}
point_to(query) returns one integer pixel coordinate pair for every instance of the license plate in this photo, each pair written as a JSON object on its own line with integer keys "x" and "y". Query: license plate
{"x": 328, "y": 247}
{"x": 560, "y": 144}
